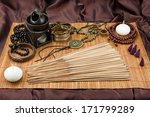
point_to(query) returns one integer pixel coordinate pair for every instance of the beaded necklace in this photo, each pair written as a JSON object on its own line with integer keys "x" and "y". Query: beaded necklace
{"x": 128, "y": 39}
{"x": 93, "y": 30}
{"x": 20, "y": 45}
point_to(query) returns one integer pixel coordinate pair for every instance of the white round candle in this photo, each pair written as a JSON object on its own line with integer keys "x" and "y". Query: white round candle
{"x": 13, "y": 74}
{"x": 123, "y": 29}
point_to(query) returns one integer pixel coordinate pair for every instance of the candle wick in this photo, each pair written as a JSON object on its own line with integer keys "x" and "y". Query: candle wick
{"x": 123, "y": 22}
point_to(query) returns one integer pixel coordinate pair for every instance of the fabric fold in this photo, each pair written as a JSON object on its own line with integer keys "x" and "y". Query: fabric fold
{"x": 77, "y": 11}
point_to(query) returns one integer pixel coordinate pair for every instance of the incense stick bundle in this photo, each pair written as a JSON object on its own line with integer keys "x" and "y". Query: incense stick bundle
{"x": 100, "y": 62}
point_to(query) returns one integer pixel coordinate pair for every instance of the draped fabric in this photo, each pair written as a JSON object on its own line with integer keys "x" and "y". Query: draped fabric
{"x": 77, "y": 11}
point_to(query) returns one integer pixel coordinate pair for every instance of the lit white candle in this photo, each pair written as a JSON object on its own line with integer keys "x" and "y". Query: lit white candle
{"x": 13, "y": 74}
{"x": 123, "y": 29}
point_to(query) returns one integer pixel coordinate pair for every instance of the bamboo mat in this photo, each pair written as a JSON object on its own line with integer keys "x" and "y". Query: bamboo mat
{"x": 140, "y": 77}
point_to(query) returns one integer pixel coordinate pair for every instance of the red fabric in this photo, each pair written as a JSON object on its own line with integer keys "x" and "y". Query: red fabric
{"x": 77, "y": 11}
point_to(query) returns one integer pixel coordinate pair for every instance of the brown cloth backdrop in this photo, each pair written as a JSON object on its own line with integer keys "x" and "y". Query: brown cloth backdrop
{"x": 77, "y": 11}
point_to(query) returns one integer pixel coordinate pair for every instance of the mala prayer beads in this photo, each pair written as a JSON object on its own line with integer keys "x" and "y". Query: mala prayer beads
{"x": 23, "y": 56}
{"x": 20, "y": 45}
{"x": 14, "y": 48}
{"x": 127, "y": 39}
{"x": 19, "y": 35}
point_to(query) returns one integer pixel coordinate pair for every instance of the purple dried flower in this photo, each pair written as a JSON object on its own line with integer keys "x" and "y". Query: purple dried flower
{"x": 130, "y": 48}
{"x": 137, "y": 54}
{"x": 142, "y": 62}
{"x": 133, "y": 51}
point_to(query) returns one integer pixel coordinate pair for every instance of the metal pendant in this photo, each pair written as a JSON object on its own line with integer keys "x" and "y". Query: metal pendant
{"x": 75, "y": 43}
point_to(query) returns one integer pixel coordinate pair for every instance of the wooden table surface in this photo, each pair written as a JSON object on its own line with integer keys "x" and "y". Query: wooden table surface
{"x": 140, "y": 76}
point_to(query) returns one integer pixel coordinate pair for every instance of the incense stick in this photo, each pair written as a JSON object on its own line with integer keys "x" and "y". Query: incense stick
{"x": 100, "y": 62}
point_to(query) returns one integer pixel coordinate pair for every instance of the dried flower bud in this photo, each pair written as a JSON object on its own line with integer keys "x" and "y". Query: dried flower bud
{"x": 142, "y": 62}
{"x": 137, "y": 54}
{"x": 133, "y": 51}
{"x": 130, "y": 48}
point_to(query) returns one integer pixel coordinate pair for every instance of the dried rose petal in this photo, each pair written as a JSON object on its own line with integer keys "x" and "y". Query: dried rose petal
{"x": 133, "y": 51}
{"x": 142, "y": 62}
{"x": 137, "y": 54}
{"x": 130, "y": 48}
